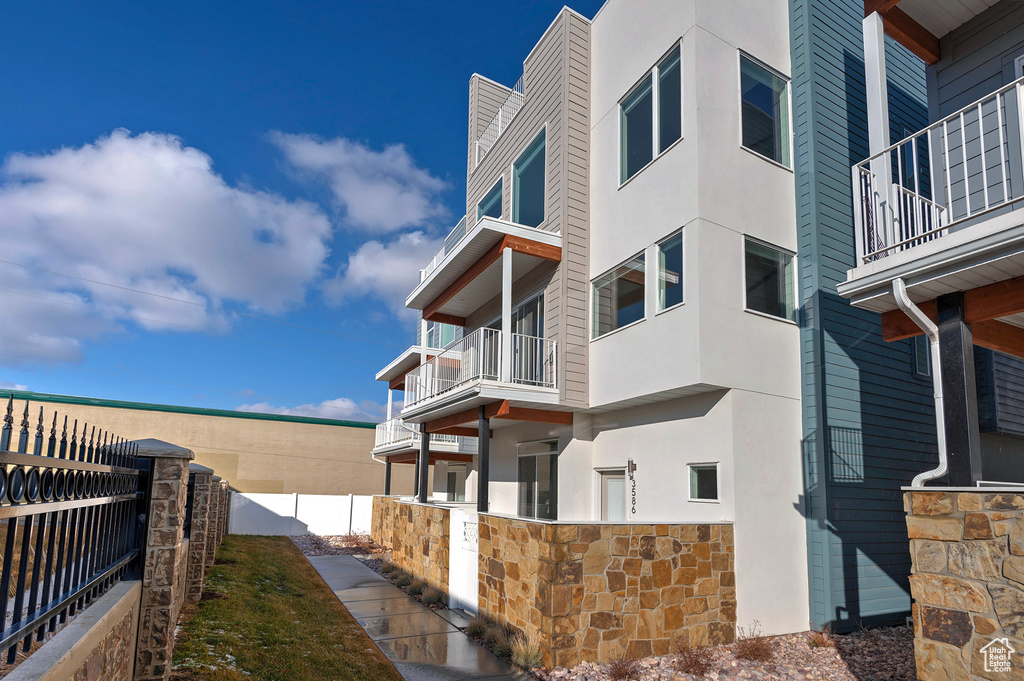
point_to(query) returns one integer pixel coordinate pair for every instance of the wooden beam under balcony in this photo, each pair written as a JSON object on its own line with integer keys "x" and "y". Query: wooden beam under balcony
{"x": 905, "y": 30}
{"x": 410, "y": 457}
{"x": 981, "y": 304}
{"x": 397, "y": 383}
{"x": 999, "y": 336}
{"x": 452, "y": 424}
{"x": 520, "y": 245}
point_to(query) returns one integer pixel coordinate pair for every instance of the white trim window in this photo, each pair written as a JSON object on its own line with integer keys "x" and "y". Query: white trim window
{"x": 768, "y": 277}
{"x": 703, "y": 482}
{"x": 651, "y": 115}
{"x": 764, "y": 111}
{"x": 528, "y": 179}
{"x": 490, "y": 205}
{"x": 537, "y": 479}
{"x": 439, "y": 335}
{"x": 618, "y": 297}
{"x": 1018, "y": 67}
{"x": 670, "y": 271}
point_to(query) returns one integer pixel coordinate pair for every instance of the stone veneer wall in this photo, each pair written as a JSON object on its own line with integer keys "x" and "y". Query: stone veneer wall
{"x": 596, "y": 592}
{"x": 114, "y": 658}
{"x": 382, "y": 520}
{"x": 420, "y": 542}
{"x": 200, "y": 535}
{"x": 967, "y": 581}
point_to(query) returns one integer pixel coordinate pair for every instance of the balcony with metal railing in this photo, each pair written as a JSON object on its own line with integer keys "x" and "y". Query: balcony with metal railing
{"x": 943, "y": 206}
{"x": 395, "y": 436}
{"x": 504, "y": 116}
{"x": 480, "y": 366}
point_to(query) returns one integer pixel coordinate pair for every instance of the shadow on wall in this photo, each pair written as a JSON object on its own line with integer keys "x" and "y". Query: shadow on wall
{"x": 265, "y": 514}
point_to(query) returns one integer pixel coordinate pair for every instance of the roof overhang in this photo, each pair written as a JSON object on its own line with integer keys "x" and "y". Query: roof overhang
{"x": 918, "y": 24}
{"x": 470, "y": 275}
{"x": 400, "y": 366}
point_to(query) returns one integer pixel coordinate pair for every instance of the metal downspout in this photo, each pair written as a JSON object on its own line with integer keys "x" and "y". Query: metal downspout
{"x": 899, "y": 291}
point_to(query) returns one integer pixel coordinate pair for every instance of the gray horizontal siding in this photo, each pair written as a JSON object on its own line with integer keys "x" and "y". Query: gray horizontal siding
{"x": 868, "y": 419}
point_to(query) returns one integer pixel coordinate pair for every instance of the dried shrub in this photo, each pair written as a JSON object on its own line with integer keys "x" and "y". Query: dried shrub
{"x": 499, "y": 639}
{"x": 753, "y": 645}
{"x": 432, "y": 597}
{"x": 403, "y": 580}
{"x": 623, "y": 669}
{"x": 387, "y": 568}
{"x": 416, "y": 588}
{"x": 525, "y": 652}
{"x": 696, "y": 660}
{"x": 477, "y": 628}
{"x": 822, "y": 638}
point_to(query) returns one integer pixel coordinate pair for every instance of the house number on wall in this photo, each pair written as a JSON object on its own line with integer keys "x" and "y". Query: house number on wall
{"x": 632, "y": 510}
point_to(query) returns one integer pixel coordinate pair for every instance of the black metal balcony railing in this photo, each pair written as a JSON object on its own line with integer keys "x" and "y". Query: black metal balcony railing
{"x": 71, "y": 528}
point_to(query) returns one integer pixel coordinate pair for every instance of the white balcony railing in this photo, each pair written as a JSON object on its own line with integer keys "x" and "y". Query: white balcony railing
{"x": 506, "y": 112}
{"x": 477, "y": 357}
{"x": 450, "y": 242}
{"x": 960, "y": 168}
{"x": 395, "y": 432}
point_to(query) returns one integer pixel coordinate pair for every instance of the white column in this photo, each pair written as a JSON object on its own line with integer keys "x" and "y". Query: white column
{"x": 878, "y": 119}
{"x": 506, "y": 315}
{"x": 877, "y": 90}
{"x": 390, "y": 394}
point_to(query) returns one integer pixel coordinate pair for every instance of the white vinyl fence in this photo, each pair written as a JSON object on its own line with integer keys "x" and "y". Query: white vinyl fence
{"x": 292, "y": 514}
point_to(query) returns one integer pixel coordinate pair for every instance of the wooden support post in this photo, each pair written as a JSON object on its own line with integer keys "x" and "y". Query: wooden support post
{"x": 959, "y": 394}
{"x": 483, "y": 453}
{"x": 424, "y": 466}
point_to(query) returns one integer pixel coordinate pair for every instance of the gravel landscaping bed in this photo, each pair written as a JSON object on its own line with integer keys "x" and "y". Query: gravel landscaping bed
{"x": 336, "y": 545}
{"x": 885, "y": 654}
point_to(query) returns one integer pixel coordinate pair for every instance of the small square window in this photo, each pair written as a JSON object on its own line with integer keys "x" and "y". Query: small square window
{"x": 922, "y": 356}
{"x": 618, "y": 297}
{"x": 670, "y": 271}
{"x": 528, "y": 185}
{"x": 704, "y": 482}
{"x": 490, "y": 205}
{"x": 765, "y": 110}
{"x": 769, "y": 280}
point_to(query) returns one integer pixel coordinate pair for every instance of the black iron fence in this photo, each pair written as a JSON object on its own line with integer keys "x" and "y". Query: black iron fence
{"x": 73, "y": 508}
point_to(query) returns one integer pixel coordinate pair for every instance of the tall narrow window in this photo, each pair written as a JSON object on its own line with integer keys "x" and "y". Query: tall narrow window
{"x": 765, "y": 102}
{"x": 670, "y": 271}
{"x": 769, "y": 280}
{"x": 490, "y": 205}
{"x": 922, "y": 356}
{"x": 637, "y": 129}
{"x": 538, "y": 480}
{"x": 647, "y": 129}
{"x": 528, "y": 185}
{"x": 670, "y": 101}
{"x": 456, "y": 483}
{"x": 618, "y": 297}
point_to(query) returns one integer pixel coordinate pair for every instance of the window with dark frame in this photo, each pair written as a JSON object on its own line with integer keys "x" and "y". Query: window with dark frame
{"x": 528, "y": 184}
{"x": 647, "y": 129}
{"x": 769, "y": 278}
{"x": 765, "y": 111}
{"x": 704, "y": 482}
{"x": 538, "y": 480}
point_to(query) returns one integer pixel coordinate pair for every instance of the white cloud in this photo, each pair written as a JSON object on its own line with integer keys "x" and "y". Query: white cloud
{"x": 388, "y": 271}
{"x": 341, "y": 408}
{"x": 380, "y": 191}
{"x": 6, "y": 385}
{"x": 142, "y": 212}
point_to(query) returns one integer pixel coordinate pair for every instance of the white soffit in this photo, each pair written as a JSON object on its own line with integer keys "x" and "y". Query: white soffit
{"x": 939, "y": 17}
{"x": 401, "y": 365}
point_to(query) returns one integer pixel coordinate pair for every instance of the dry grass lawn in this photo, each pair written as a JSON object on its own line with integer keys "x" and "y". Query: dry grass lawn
{"x": 267, "y": 615}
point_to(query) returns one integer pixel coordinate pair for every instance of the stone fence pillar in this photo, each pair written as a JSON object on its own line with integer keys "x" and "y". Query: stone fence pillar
{"x": 967, "y": 547}
{"x": 214, "y": 519}
{"x": 165, "y": 559}
{"x": 225, "y": 507}
{"x": 201, "y": 501}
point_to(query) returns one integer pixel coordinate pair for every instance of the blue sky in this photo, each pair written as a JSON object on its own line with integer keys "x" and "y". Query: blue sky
{"x": 268, "y": 174}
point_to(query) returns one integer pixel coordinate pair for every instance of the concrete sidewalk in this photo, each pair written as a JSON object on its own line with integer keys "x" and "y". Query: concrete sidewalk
{"x": 424, "y": 645}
